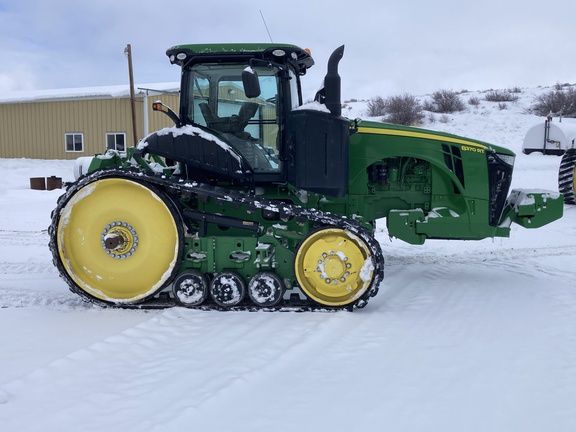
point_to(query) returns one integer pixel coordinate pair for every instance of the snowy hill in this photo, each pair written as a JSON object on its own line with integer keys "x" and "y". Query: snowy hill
{"x": 485, "y": 121}
{"x": 463, "y": 336}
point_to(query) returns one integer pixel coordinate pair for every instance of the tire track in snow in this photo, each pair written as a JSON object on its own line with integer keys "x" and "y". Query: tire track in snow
{"x": 181, "y": 367}
{"x": 38, "y": 297}
{"x": 32, "y": 281}
{"x": 512, "y": 260}
{"x": 24, "y": 238}
{"x": 282, "y": 387}
{"x": 19, "y": 268}
{"x": 479, "y": 256}
{"x": 453, "y": 330}
{"x": 31, "y": 246}
{"x": 196, "y": 357}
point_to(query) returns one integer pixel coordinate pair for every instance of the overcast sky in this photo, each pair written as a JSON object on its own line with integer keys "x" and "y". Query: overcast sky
{"x": 392, "y": 46}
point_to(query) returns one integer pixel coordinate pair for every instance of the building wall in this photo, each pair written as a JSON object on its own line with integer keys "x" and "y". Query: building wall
{"x": 37, "y": 129}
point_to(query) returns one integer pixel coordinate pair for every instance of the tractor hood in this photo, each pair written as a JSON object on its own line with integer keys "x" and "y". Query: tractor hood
{"x": 393, "y": 130}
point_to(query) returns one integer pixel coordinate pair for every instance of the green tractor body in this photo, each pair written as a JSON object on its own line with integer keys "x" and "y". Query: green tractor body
{"x": 273, "y": 200}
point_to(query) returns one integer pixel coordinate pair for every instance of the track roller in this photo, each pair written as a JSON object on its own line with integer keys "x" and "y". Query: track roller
{"x": 227, "y": 289}
{"x": 190, "y": 288}
{"x": 266, "y": 289}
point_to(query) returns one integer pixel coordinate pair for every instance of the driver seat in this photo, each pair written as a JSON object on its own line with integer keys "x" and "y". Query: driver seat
{"x": 234, "y": 124}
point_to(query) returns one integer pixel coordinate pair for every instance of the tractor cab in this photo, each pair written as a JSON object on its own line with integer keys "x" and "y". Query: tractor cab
{"x": 242, "y": 118}
{"x": 216, "y": 98}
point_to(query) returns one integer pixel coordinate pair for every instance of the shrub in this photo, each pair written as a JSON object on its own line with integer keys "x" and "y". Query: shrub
{"x": 501, "y": 96}
{"x": 376, "y": 107}
{"x": 404, "y": 110}
{"x": 445, "y": 101}
{"x": 502, "y": 106}
{"x": 474, "y": 101}
{"x": 561, "y": 101}
{"x": 560, "y": 86}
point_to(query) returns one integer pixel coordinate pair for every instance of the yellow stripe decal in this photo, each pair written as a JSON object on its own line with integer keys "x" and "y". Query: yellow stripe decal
{"x": 424, "y": 135}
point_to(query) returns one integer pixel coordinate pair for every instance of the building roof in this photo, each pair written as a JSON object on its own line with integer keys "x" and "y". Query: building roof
{"x": 84, "y": 93}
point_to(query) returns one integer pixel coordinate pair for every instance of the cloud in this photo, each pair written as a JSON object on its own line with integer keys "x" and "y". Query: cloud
{"x": 391, "y": 47}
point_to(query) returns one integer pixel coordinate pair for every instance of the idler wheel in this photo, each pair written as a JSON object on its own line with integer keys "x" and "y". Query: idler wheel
{"x": 334, "y": 267}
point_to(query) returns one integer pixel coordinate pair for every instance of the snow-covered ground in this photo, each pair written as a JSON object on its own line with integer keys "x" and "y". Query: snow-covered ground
{"x": 463, "y": 336}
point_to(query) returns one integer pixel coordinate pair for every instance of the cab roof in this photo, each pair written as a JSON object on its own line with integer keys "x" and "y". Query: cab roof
{"x": 181, "y": 54}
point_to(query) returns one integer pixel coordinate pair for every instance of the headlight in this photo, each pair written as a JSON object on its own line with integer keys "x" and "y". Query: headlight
{"x": 507, "y": 159}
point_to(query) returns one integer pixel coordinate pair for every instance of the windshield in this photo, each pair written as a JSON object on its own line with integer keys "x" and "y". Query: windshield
{"x": 217, "y": 101}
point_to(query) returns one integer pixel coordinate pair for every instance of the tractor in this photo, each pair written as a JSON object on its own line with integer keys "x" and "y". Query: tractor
{"x": 258, "y": 200}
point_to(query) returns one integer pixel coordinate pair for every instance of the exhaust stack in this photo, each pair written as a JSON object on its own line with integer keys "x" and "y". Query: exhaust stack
{"x": 330, "y": 95}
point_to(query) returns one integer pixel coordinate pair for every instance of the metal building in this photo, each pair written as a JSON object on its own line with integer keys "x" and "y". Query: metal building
{"x": 68, "y": 123}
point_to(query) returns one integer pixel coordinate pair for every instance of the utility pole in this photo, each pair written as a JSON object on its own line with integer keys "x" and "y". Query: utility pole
{"x": 128, "y": 52}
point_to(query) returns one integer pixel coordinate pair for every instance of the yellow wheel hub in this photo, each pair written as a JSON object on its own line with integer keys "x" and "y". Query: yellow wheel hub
{"x": 118, "y": 240}
{"x": 334, "y": 267}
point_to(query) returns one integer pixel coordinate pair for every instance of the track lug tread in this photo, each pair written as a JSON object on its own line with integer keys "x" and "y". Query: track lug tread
{"x": 567, "y": 176}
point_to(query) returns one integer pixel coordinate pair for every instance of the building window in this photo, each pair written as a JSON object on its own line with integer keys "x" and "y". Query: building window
{"x": 116, "y": 141}
{"x": 74, "y": 142}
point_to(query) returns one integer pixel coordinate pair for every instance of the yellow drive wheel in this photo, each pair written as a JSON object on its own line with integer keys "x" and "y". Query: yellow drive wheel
{"x": 334, "y": 267}
{"x": 118, "y": 240}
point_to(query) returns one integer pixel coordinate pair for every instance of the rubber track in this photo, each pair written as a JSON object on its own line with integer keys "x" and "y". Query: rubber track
{"x": 566, "y": 175}
{"x": 176, "y": 188}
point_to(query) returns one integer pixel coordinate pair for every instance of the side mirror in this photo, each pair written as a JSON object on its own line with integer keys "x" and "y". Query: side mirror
{"x": 251, "y": 83}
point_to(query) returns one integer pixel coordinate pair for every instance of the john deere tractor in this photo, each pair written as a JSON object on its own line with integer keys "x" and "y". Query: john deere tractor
{"x": 257, "y": 200}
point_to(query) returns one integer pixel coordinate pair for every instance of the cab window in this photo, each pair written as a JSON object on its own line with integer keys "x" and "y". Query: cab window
{"x": 250, "y": 125}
